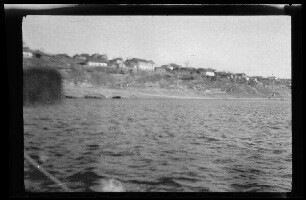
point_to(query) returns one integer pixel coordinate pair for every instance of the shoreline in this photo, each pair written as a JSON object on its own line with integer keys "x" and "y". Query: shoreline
{"x": 145, "y": 93}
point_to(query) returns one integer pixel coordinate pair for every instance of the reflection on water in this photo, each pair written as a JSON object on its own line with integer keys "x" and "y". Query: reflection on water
{"x": 161, "y": 145}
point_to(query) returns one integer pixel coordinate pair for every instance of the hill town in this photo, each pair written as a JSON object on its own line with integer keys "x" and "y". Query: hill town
{"x": 97, "y": 76}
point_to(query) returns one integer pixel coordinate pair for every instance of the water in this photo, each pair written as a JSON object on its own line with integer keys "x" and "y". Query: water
{"x": 155, "y": 145}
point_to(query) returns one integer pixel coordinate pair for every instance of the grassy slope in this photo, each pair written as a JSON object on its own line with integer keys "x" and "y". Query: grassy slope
{"x": 81, "y": 79}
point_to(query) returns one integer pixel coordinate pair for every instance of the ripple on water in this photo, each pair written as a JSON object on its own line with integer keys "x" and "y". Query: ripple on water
{"x": 212, "y": 145}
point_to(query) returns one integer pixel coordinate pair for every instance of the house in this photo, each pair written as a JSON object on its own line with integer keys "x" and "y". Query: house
{"x": 175, "y": 66}
{"x": 91, "y": 62}
{"x": 27, "y": 54}
{"x": 230, "y": 75}
{"x": 200, "y": 70}
{"x": 146, "y": 65}
{"x": 160, "y": 70}
{"x": 167, "y": 67}
{"x": 241, "y": 76}
{"x": 98, "y": 56}
{"x": 117, "y": 62}
{"x": 140, "y": 64}
{"x": 272, "y": 78}
{"x": 208, "y": 73}
{"x": 223, "y": 75}
{"x": 79, "y": 57}
{"x": 254, "y": 79}
{"x": 257, "y": 77}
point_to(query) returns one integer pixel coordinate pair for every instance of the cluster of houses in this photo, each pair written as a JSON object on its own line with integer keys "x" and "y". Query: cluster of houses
{"x": 136, "y": 64}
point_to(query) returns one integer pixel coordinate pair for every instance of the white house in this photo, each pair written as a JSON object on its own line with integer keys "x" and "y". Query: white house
{"x": 146, "y": 66}
{"x": 208, "y": 73}
{"x": 96, "y": 63}
{"x": 272, "y": 78}
{"x": 27, "y": 54}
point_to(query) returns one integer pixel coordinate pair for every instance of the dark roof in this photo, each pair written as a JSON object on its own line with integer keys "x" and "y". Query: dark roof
{"x": 222, "y": 73}
{"x": 95, "y": 60}
{"x": 201, "y": 69}
{"x": 175, "y": 65}
{"x": 210, "y": 69}
{"x": 117, "y": 59}
{"x": 85, "y": 55}
{"x": 136, "y": 60}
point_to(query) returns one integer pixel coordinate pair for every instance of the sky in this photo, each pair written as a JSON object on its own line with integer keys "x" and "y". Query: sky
{"x": 255, "y": 45}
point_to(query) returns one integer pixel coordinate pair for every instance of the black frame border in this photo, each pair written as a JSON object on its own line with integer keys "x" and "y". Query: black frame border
{"x": 13, "y": 62}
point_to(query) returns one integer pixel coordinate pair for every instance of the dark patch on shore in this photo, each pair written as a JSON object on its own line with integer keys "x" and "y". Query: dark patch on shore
{"x": 41, "y": 86}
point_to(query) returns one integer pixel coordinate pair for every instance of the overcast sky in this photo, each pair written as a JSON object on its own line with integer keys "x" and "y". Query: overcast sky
{"x": 255, "y": 45}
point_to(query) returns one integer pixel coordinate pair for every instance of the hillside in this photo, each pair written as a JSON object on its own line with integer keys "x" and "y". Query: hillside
{"x": 80, "y": 80}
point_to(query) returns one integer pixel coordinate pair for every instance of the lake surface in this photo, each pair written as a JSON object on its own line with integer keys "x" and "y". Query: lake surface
{"x": 155, "y": 145}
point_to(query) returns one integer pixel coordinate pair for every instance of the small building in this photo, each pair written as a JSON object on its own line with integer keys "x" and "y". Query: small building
{"x": 121, "y": 65}
{"x": 200, "y": 70}
{"x": 100, "y": 57}
{"x": 254, "y": 79}
{"x": 96, "y": 63}
{"x": 208, "y": 73}
{"x": 241, "y": 76}
{"x": 223, "y": 75}
{"x": 167, "y": 67}
{"x": 146, "y": 66}
{"x": 160, "y": 70}
{"x": 27, "y": 54}
{"x": 272, "y": 78}
{"x": 140, "y": 64}
{"x": 79, "y": 57}
{"x": 258, "y": 78}
{"x": 230, "y": 75}
{"x": 117, "y": 62}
